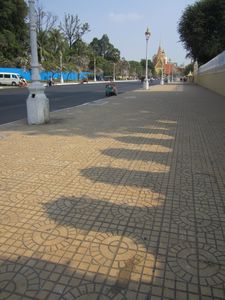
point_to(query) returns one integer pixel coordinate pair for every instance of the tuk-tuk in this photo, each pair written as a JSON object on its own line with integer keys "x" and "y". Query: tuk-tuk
{"x": 110, "y": 89}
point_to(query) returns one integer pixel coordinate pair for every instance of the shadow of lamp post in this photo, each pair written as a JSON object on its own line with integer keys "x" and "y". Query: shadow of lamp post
{"x": 37, "y": 102}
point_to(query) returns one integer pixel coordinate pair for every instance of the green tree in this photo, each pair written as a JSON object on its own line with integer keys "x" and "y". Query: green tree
{"x": 102, "y": 47}
{"x": 79, "y": 56}
{"x": 13, "y": 30}
{"x": 105, "y": 55}
{"x": 112, "y": 54}
{"x": 151, "y": 67}
{"x": 100, "y": 64}
{"x": 46, "y": 22}
{"x": 94, "y": 45}
{"x": 202, "y": 29}
{"x": 123, "y": 68}
{"x": 136, "y": 69}
{"x": 189, "y": 68}
{"x": 54, "y": 47}
{"x": 80, "y": 48}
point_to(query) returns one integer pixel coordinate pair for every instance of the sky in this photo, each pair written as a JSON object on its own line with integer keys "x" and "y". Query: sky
{"x": 125, "y": 23}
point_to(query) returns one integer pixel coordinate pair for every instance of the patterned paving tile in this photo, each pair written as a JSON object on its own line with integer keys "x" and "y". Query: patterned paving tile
{"x": 121, "y": 201}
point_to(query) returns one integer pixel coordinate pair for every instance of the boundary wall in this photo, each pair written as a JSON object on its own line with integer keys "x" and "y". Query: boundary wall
{"x": 212, "y": 74}
{"x": 45, "y": 75}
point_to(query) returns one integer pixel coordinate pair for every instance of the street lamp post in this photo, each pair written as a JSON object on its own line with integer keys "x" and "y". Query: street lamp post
{"x": 114, "y": 72}
{"x": 162, "y": 75}
{"x": 94, "y": 69}
{"x": 169, "y": 72}
{"x": 147, "y": 36}
{"x": 61, "y": 66}
{"x": 172, "y": 73}
{"x": 37, "y": 102}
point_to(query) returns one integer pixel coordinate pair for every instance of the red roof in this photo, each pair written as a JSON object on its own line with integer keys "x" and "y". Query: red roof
{"x": 168, "y": 69}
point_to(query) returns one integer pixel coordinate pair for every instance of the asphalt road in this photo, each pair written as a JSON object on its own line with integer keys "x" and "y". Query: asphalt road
{"x": 13, "y": 100}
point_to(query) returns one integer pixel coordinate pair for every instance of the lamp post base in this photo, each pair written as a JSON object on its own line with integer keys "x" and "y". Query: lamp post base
{"x": 146, "y": 84}
{"x": 37, "y": 105}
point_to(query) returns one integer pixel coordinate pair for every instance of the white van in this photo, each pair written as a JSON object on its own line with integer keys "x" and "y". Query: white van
{"x": 9, "y": 78}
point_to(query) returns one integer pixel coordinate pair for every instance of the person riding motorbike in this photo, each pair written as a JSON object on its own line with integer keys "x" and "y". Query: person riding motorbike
{"x": 22, "y": 82}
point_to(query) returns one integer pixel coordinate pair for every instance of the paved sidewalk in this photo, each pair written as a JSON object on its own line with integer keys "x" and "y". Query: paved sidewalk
{"x": 123, "y": 198}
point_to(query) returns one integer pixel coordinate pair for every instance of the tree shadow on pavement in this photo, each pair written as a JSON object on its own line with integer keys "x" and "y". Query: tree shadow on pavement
{"x": 139, "y": 155}
{"x": 35, "y": 278}
{"x": 125, "y": 177}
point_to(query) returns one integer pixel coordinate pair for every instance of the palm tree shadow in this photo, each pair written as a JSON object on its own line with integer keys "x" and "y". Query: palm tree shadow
{"x": 131, "y": 179}
{"x": 110, "y": 228}
{"x": 28, "y": 278}
{"x": 140, "y": 155}
{"x": 139, "y": 140}
{"x": 125, "y": 218}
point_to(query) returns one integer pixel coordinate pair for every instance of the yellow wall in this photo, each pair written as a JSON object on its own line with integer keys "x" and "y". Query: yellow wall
{"x": 213, "y": 81}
